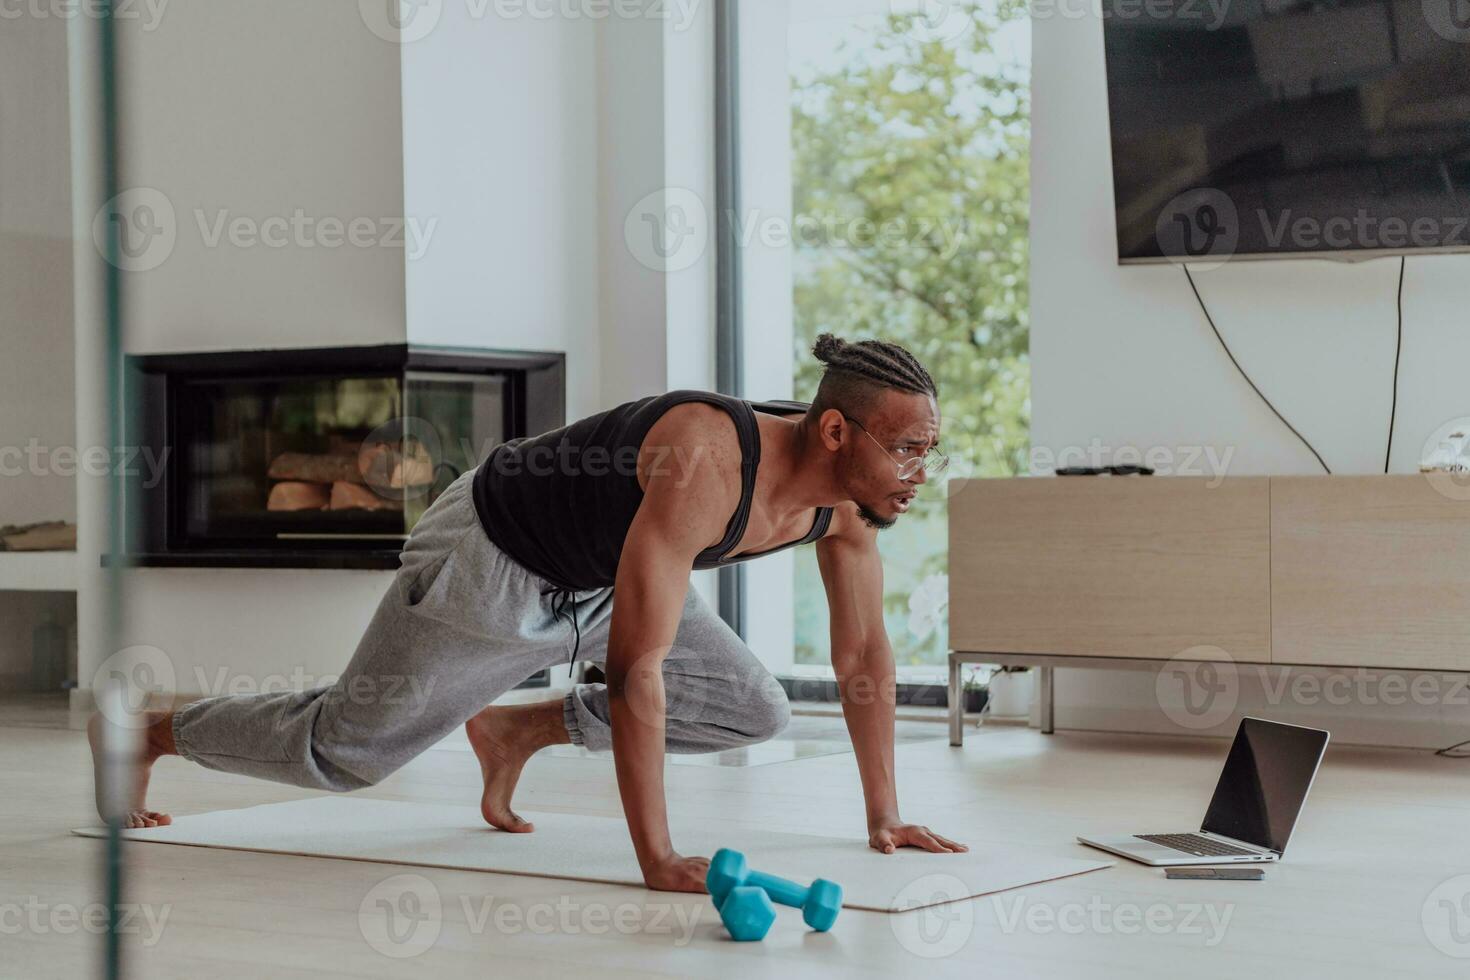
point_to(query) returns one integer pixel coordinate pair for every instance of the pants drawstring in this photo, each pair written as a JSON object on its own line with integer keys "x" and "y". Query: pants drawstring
{"x": 559, "y": 601}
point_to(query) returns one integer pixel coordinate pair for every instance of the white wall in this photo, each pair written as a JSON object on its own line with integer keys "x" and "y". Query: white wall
{"x": 253, "y": 111}
{"x": 36, "y": 351}
{"x": 766, "y": 294}
{"x": 689, "y": 162}
{"x": 632, "y": 305}
{"x": 37, "y": 407}
{"x": 500, "y": 120}
{"x": 656, "y": 150}
{"x": 1123, "y": 355}
{"x": 37, "y": 403}
{"x": 655, "y": 137}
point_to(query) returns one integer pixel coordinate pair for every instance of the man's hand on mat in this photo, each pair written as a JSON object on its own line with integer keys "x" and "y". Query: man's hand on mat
{"x": 888, "y": 837}
{"x": 676, "y": 873}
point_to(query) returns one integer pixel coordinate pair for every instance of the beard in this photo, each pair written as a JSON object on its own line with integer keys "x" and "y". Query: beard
{"x": 875, "y": 520}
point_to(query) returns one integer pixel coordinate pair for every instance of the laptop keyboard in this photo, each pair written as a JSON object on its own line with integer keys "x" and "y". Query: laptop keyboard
{"x": 1193, "y": 844}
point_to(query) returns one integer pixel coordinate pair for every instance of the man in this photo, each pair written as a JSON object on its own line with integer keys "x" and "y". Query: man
{"x": 522, "y": 557}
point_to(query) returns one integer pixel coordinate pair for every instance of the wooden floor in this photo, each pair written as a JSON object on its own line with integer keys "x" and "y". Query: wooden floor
{"x": 1376, "y": 882}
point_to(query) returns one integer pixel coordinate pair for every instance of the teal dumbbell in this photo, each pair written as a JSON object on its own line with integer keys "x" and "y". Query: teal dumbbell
{"x": 747, "y": 913}
{"x": 728, "y": 873}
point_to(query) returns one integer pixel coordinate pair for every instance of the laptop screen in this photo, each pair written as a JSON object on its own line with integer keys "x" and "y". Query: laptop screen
{"x": 1265, "y": 782}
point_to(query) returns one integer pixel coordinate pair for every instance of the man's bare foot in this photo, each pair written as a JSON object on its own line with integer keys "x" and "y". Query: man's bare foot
{"x": 503, "y": 739}
{"x": 157, "y": 739}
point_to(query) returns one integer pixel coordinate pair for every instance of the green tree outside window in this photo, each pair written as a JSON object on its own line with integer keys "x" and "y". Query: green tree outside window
{"x": 911, "y": 203}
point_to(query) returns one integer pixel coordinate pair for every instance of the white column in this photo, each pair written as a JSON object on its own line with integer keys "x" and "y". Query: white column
{"x": 764, "y": 225}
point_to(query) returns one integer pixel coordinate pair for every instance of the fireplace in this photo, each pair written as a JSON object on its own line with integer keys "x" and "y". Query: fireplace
{"x": 316, "y": 458}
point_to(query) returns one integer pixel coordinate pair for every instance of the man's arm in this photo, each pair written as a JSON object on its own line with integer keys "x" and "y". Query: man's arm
{"x": 852, "y": 573}
{"x": 681, "y": 513}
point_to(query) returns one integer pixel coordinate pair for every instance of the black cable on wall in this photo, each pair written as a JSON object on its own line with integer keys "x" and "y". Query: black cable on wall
{"x": 1398, "y": 351}
{"x": 1262, "y": 395}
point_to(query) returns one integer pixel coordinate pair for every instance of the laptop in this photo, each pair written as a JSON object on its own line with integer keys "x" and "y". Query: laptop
{"x": 1260, "y": 793}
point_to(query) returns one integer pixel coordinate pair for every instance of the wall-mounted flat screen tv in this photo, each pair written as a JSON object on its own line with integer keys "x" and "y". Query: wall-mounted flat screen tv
{"x": 1254, "y": 129}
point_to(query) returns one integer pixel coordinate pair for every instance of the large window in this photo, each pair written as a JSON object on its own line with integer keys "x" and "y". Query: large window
{"x": 899, "y": 163}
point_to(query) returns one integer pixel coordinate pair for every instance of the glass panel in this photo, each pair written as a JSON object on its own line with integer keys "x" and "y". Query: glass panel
{"x": 291, "y": 460}
{"x": 314, "y": 461}
{"x": 908, "y": 157}
{"x": 459, "y": 420}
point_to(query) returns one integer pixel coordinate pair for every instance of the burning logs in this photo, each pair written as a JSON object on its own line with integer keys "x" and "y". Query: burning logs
{"x": 308, "y": 468}
{"x": 295, "y": 495}
{"x": 373, "y": 479}
{"x": 347, "y": 496}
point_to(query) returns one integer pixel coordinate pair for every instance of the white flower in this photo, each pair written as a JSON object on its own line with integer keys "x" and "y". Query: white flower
{"x": 927, "y": 604}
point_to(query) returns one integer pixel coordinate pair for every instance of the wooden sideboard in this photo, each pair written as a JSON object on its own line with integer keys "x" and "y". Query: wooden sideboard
{"x": 1327, "y": 571}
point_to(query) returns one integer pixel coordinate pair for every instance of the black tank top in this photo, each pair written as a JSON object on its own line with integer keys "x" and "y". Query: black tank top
{"x": 560, "y": 504}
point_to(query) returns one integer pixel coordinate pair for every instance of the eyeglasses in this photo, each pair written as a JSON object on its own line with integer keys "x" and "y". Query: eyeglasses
{"x": 932, "y": 462}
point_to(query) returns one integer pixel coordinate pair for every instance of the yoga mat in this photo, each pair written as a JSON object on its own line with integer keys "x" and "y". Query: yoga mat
{"x": 567, "y": 845}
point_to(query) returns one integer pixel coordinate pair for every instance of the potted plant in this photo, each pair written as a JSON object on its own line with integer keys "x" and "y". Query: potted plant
{"x": 975, "y": 693}
{"x": 1010, "y": 692}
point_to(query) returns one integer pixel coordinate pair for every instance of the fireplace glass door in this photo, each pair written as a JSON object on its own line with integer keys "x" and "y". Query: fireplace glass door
{"x": 339, "y": 461}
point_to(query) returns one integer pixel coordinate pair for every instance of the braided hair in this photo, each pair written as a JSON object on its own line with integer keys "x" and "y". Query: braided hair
{"x": 857, "y": 371}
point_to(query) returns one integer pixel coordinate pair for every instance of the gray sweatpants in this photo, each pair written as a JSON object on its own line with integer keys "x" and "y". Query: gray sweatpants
{"x": 462, "y": 624}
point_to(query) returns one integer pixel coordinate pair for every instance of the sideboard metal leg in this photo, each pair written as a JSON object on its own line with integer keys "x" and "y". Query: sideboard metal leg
{"x": 1047, "y": 696}
{"x": 956, "y": 703}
